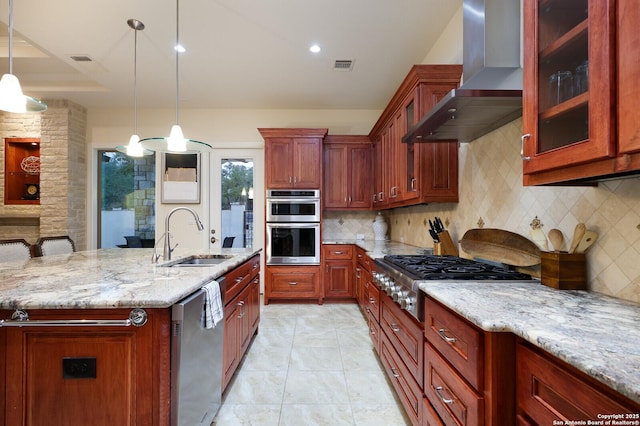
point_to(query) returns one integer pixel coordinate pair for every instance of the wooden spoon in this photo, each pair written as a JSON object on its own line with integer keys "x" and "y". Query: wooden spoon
{"x": 587, "y": 241}
{"x": 556, "y": 238}
{"x": 578, "y": 233}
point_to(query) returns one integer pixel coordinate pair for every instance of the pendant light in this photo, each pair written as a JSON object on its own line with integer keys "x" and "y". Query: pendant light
{"x": 176, "y": 142}
{"x": 11, "y": 97}
{"x": 134, "y": 148}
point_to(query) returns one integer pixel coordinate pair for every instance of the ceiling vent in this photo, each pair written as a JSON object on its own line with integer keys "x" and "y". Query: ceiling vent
{"x": 81, "y": 58}
{"x": 343, "y": 65}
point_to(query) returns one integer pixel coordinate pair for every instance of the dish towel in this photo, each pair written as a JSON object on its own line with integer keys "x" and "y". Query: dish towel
{"x": 213, "y": 310}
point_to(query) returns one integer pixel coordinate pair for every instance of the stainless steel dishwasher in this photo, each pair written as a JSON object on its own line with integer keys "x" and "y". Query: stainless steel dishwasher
{"x": 196, "y": 363}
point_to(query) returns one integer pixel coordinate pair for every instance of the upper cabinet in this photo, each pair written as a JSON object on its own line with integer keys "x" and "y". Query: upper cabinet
{"x": 628, "y": 76}
{"x": 347, "y": 171}
{"x": 21, "y": 171}
{"x": 574, "y": 68}
{"x": 407, "y": 173}
{"x": 293, "y": 157}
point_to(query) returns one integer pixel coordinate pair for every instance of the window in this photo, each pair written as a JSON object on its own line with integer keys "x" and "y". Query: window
{"x": 126, "y": 199}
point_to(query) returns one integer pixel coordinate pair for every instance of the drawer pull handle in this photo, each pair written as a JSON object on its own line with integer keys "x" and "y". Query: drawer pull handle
{"x": 293, "y": 283}
{"x": 445, "y": 400}
{"x": 239, "y": 279}
{"x": 446, "y": 338}
{"x": 372, "y": 331}
{"x": 394, "y": 372}
{"x": 337, "y": 252}
{"x": 394, "y": 328}
{"x": 372, "y": 300}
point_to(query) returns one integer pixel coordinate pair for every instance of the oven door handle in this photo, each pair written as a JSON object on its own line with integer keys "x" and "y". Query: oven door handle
{"x": 293, "y": 224}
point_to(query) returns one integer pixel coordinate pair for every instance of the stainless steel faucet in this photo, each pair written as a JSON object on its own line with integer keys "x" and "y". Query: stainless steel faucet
{"x": 166, "y": 255}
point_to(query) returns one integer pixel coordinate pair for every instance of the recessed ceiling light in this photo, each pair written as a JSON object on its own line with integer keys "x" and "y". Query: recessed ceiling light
{"x": 314, "y": 49}
{"x": 180, "y": 48}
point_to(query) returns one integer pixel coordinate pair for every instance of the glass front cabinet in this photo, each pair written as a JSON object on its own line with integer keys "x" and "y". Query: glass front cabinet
{"x": 569, "y": 87}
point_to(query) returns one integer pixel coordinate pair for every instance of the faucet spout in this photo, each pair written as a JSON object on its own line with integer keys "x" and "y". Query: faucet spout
{"x": 167, "y": 240}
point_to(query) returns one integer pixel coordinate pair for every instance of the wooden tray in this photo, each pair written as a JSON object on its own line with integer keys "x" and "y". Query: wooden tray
{"x": 501, "y": 246}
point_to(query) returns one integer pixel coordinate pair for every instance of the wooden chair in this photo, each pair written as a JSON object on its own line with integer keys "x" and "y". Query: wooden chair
{"x": 46, "y": 246}
{"x": 16, "y": 249}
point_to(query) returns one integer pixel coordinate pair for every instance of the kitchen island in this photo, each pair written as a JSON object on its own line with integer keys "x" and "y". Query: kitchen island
{"x": 109, "y": 370}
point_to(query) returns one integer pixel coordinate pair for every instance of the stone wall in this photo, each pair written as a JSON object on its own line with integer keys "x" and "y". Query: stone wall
{"x": 62, "y": 209}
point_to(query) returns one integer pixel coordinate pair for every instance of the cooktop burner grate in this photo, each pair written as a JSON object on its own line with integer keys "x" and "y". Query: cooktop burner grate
{"x": 428, "y": 267}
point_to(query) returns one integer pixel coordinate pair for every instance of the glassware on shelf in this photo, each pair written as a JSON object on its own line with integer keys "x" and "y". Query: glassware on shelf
{"x": 560, "y": 87}
{"x": 581, "y": 78}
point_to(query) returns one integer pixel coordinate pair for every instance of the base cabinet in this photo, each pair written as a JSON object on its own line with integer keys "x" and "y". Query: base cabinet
{"x": 469, "y": 374}
{"x": 292, "y": 282}
{"x": 551, "y": 392}
{"x": 241, "y": 315}
{"x": 338, "y": 278}
{"x": 100, "y": 376}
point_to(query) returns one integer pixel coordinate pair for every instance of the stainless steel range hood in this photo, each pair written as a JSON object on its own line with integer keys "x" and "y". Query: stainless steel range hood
{"x": 491, "y": 94}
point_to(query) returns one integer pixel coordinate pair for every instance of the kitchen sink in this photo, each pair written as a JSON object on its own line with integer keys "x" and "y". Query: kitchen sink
{"x": 201, "y": 260}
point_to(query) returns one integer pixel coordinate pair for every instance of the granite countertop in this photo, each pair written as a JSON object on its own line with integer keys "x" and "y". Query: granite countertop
{"x": 597, "y": 334}
{"x": 377, "y": 248}
{"x": 107, "y": 278}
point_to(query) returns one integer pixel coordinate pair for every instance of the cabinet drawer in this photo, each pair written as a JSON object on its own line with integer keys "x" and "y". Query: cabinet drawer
{"x": 547, "y": 391}
{"x": 405, "y": 335}
{"x": 372, "y": 300}
{"x": 238, "y": 278}
{"x": 365, "y": 261}
{"x": 375, "y": 333}
{"x": 429, "y": 415}
{"x": 337, "y": 252}
{"x": 293, "y": 284}
{"x": 456, "y": 402}
{"x": 458, "y": 341}
{"x": 408, "y": 390}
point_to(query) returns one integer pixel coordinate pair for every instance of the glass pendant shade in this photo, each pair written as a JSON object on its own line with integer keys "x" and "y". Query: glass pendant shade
{"x": 11, "y": 97}
{"x": 176, "y": 141}
{"x": 134, "y": 149}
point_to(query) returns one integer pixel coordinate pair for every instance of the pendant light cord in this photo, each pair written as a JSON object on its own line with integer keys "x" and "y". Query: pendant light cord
{"x": 177, "y": 49}
{"x": 10, "y": 36}
{"x": 135, "y": 81}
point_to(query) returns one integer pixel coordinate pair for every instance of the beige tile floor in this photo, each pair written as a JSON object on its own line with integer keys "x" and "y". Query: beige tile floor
{"x": 311, "y": 365}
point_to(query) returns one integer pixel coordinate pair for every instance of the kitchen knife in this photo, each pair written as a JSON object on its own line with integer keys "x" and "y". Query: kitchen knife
{"x": 439, "y": 225}
{"x": 434, "y": 235}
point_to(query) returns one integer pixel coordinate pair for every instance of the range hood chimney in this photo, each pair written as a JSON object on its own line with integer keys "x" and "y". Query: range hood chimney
{"x": 491, "y": 95}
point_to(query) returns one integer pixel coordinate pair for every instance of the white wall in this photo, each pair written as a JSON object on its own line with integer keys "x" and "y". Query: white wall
{"x": 223, "y": 129}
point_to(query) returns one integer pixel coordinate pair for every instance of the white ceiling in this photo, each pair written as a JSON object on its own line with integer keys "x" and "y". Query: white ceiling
{"x": 240, "y": 53}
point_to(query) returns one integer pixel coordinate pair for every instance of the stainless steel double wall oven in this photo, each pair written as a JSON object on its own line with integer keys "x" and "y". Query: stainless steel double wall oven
{"x": 293, "y": 227}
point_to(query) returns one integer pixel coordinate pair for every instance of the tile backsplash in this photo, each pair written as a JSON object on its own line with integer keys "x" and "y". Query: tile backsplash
{"x": 491, "y": 192}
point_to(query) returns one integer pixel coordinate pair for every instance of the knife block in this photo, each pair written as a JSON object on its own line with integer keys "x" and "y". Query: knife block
{"x": 446, "y": 245}
{"x": 564, "y": 271}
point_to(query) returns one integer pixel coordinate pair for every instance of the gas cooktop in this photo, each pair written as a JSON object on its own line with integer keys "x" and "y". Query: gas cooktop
{"x": 430, "y": 267}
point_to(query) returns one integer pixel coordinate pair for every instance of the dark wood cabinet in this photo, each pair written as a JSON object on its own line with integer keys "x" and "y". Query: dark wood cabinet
{"x": 469, "y": 374}
{"x": 104, "y": 375}
{"x": 241, "y": 314}
{"x": 338, "y": 277}
{"x": 551, "y": 391}
{"x": 347, "y": 171}
{"x": 588, "y": 132}
{"x": 292, "y": 282}
{"x": 293, "y": 158}
{"x": 408, "y": 173}
{"x": 21, "y": 171}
